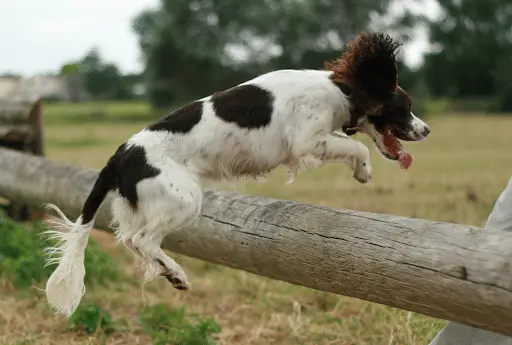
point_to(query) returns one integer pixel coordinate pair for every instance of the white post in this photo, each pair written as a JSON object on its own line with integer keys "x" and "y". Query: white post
{"x": 458, "y": 334}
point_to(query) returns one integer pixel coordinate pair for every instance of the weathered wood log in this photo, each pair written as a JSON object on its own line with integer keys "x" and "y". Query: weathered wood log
{"x": 15, "y": 112}
{"x": 21, "y": 129}
{"x": 448, "y": 271}
{"x": 21, "y": 125}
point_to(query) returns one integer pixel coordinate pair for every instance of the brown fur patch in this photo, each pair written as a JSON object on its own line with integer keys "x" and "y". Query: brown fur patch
{"x": 368, "y": 67}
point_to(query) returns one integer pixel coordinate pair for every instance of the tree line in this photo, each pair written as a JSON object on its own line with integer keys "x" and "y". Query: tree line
{"x": 193, "y": 48}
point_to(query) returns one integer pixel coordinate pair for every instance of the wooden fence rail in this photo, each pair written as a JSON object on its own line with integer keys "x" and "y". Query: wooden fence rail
{"x": 447, "y": 271}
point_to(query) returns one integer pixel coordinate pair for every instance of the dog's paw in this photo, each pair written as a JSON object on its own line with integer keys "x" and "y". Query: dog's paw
{"x": 174, "y": 273}
{"x": 178, "y": 279}
{"x": 362, "y": 175}
{"x": 363, "y": 168}
{"x": 177, "y": 282}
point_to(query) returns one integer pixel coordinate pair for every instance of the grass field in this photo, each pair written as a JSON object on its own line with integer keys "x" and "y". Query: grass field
{"x": 457, "y": 174}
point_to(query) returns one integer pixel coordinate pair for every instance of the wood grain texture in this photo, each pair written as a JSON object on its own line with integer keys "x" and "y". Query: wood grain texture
{"x": 15, "y": 112}
{"x": 448, "y": 271}
{"x": 21, "y": 121}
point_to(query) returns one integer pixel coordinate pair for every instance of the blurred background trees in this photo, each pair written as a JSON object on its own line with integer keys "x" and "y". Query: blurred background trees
{"x": 471, "y": 45}
{"x": 473, "y": 41}
{"x": 192, "y": 48}
{"x": 102, "y": 80}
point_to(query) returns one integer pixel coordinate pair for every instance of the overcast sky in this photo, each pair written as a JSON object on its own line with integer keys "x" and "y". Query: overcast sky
{"x": 38, "y": 36}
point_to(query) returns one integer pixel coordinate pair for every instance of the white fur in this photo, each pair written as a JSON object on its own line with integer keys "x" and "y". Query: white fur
{"x": 418, "y": 128}
{"x": 65, "y": 287}
{"x": 307, "y": 109}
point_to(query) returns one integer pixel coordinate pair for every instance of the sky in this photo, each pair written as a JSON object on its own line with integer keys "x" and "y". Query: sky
{"x": 38, "y": 36}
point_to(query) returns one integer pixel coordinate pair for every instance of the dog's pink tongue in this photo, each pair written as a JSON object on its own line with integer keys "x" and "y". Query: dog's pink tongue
{"x": 396, "y": 149}
{"x": 405, "y": 160}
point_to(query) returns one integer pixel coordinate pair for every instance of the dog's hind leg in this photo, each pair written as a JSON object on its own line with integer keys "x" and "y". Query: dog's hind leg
{"x": 127, "y": 222}
{"x": 169, "y": 202}
{"x": 147, "y": 242}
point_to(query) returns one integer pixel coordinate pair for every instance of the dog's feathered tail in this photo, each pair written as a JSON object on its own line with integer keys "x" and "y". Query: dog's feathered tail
{"x": 65, "y": 287}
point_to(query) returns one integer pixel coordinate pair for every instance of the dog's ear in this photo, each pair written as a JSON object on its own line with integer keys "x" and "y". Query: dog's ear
{"x": 369, "y": 65}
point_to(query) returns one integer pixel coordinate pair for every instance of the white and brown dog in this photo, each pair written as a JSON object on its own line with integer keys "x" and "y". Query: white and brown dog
{"x": 282, "y": 118}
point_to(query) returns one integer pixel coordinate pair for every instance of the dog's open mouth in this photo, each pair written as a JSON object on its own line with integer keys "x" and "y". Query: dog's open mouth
{"x": 394, "y": 148}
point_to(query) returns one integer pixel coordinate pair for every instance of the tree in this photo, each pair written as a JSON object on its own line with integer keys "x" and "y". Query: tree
{"x": 11, "y": 75}
{"x": 192, "y": 48}
{"x": 469, "y": 40}
{"x": 70, "y": 72}
{"x": 70, "y": 68}
{"x": 100, "y": 79}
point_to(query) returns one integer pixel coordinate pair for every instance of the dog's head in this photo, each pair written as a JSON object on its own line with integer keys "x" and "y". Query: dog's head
{"x": 367, "y": 73}
{"x": 393, "y": 122}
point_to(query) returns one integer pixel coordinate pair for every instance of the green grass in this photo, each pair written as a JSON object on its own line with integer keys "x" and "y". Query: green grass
{"x": 59, "y": 113}
{"x": 95, "y": 112}
{"x": 169, "y": 326}
{"x": 91, "y": 318}
{"x": 21, "y": 254}
{"x": 456, "y": 176}
{"x": 467, "y": 106}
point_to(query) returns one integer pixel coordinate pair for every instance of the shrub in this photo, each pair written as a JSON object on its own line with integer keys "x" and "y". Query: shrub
{"x": 21, "y": 253}
{"x": 170, "y": 326}
{"x": 91, "y": 318}
{"x": 22, "y": 256}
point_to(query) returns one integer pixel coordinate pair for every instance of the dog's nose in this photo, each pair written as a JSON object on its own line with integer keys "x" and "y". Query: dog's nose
{"x": 425, "y": 132}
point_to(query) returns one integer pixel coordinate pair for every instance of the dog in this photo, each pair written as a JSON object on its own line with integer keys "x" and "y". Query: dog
{"x": 281, "y": 118}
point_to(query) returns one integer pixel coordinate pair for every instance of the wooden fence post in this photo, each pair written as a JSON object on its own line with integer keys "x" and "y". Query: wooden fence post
{"x": 21, "y": 129}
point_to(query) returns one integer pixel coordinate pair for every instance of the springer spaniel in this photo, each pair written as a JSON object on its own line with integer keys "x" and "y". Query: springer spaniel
{"x": 282, "y": 118}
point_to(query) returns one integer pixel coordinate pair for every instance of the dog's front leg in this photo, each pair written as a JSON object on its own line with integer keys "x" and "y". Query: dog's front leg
{"x": 332, "y": 148}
